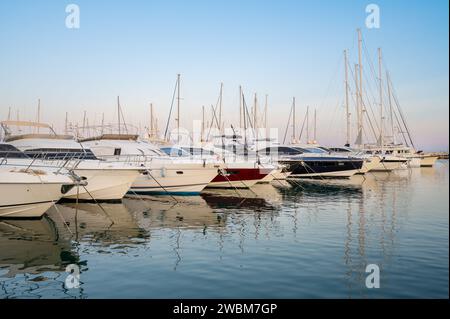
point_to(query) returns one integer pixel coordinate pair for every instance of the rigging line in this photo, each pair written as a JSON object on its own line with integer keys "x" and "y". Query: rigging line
{"x": 301, "y": 131}
{"x": 171, "y": 108}
{"x": 287, "y": 126}
{"x": 214, "y": 109}
{"x": 334, "y": 75}
{"x": 394, "y": 95}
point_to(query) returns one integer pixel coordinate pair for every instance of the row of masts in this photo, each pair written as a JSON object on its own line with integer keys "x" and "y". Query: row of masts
{"x": 361, "y": 111}
{"x": 253, "y": 120}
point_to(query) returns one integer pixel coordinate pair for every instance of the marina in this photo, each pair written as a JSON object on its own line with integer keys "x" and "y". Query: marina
{"x": 249, "y": 150}
{"x": 304, "y": 240}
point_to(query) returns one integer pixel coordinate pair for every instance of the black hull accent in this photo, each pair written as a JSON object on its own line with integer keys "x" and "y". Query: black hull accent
{"x": 320, "y": 167}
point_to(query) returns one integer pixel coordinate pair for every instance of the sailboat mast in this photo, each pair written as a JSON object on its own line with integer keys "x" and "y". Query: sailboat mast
{"x": 255, "y": 118}
{"x": 265, "y": 117}
{"x": 39, "y": 113}
{"x": 220, "y": 108}
{"x": 307, "y": 124}
{"x": 293, "y": 119}
{"x": 118, "y": 113}
{"x": 315, "y": 125}
{"x": 203, "y": 124}
{"x": 178, "y": 106}
{"x": 103, "y": 122}
{"x": 152, "y": 128}
{"x": 66, "y": 124}
{"x": 391, "y": 110}
{"x": 361, "y": 104}
{"x": 240, "y": 107}
{"x": 347, "y": 113}
{"x": 381, "y": 100}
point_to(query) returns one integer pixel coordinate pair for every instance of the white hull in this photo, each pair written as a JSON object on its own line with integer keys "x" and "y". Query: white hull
{"x": 27, "y": 200}
{"x": 104, "y": 184}
{"x": 270, "y": 177}
{"x": 370, "y": 164}
{"x": 340, "y": 174}
{"x": 414, "y": 162}
{"x": 390, "y": 164}
{"x": 185, "y": 179}
{"x": 428, "y": 161}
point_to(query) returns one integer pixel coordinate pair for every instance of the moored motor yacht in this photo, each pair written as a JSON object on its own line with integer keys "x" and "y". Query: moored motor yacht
{"x": 304, "y": 163}
{"x": 161, "y": 174}
{"x": 106, "y": 181}
{"x": 236, "y": 172}
{"x": 28, "y": 188}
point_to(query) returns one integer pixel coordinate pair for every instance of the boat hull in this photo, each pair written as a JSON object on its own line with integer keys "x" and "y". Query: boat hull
{"x": 28, "y": 200}
{"x": 428, "y": 161}
{"x": 239, "y": 177}
{"x": 177, "y": 180}
{"x": 323, "y": 169}
{"x": 389, "y": 165}
{"x": 103, "y": 184}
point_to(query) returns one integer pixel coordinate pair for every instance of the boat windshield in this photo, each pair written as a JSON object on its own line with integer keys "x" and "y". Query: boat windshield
{"x": 174, "y": 151}
{"x": 197, "y": 151}
{"x": 9, "y": 151}
{"x": 61, "y": 153}
{"x": 315, "y": 150}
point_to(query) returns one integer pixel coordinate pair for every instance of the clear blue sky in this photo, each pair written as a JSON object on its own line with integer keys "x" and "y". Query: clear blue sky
{"x": 281, "y": 48}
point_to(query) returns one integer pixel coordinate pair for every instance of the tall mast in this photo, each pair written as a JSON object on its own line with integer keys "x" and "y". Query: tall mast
{"x": 118, "y": 113}
{"x": 293, "y": 120}
{"x": 152, "y": 128}
{"x": 240, "y": 107}
{"x": 255, "y": 116}
{"x": 9, "y": 113}
{"x": 391, "y": 110}
{"x": 358, "y": 113}
{"x": 347, "y": 113}
{"x": 39, "y": 113}
{"x": 220, "y": 108}
{"x": 203, "y": 124}
{"x": 66, "y": 124}
{"x": 265, "y": 117}
{"x": 178, "y": 107}
{"x": 381, "y": 100}
{"x": 103, "y": 122}
{"x": 84, "y": 123}
{"x": 307, "y": 124}
{"x": 315, "y": 125}
{"x": 361, "y": 103}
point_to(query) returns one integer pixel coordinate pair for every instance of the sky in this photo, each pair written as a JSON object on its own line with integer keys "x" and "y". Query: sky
{"x": 135, "y": 49}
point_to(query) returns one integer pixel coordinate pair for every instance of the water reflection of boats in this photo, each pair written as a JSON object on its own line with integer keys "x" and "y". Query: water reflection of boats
{"x": 33, "y": 247}
{"x": 324, "y": 189}
{"x": 242, "y": 200}
{"x": 170, "y": 212}
{"x": 104, "y": 224}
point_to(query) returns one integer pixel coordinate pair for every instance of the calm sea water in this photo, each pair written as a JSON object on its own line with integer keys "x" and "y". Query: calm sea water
{"x": 311, "y": 240}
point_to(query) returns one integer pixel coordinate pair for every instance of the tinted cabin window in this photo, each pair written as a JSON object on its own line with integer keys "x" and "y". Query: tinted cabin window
{"x": 60, "y": 153}
{"x": 117, "y": 151}
{"x": 9, "y": 151}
